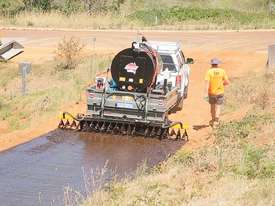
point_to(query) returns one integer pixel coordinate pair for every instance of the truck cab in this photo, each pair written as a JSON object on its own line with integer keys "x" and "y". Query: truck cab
{"x": 176, "y": 67}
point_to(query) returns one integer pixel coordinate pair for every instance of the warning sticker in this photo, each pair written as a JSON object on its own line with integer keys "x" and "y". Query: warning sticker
{"x": 131, "y": 68}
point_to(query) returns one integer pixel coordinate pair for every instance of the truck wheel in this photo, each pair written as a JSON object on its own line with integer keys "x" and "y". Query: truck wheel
{"x": 180, "y": 104}
{"x": 177, "y": 107}
{"x": 185, "y": 93}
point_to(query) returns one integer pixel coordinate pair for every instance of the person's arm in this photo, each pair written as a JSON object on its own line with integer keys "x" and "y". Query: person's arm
{"x": 225, "y": 80}
{"x": 206, "y": 88}
{"x": 207, "y": 84}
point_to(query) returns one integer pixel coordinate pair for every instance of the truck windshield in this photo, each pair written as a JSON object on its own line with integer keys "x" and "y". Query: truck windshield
{"x": 168, "y": 63}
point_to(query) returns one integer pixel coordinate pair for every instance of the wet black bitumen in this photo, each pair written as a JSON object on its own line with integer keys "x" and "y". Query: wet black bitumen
{"x": 40, "y": 172}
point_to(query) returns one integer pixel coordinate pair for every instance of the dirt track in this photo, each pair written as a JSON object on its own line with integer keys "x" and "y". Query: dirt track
{"x": 241, "y": 52}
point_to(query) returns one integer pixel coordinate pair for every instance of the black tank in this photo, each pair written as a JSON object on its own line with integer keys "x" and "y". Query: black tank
{"x": 135, "y": 69}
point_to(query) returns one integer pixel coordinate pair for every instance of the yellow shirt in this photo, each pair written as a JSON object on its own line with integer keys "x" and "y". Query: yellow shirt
{"x": 216, "y": 78}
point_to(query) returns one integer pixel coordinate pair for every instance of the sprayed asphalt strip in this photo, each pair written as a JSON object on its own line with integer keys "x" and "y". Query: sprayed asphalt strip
{"x": 38, "y": 173}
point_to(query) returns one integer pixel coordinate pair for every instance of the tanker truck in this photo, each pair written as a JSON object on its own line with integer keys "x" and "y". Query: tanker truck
{"x": 149, "y": 80}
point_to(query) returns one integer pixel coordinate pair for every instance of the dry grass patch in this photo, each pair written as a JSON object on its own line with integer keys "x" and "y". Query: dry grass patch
{"x": 48, "y": 90}
{"x": 256, "y": 90}
{"x": 59, "y": 20}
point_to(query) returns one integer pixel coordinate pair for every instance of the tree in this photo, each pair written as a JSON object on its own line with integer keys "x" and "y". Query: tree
{"x": 44, "y": 5}
{"x": 72, "y": 6}
{"x": 11, "y": 7}
{"x": 95, "y": 6}
{"x": 116, "y": 4}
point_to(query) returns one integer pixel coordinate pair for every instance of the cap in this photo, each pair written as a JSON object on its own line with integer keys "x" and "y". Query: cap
{"x": 215, "y": 61}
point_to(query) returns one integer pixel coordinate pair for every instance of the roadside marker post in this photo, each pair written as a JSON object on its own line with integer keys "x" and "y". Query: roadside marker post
{"x": 94, "y": 41}
{"x": 271, "y": 57}
{"x": 24, "y": 70}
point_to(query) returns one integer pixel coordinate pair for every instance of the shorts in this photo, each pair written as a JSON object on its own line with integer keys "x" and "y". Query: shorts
{"x": 216, "y": 99}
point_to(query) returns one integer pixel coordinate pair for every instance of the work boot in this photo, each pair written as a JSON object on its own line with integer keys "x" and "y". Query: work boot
{"x": 216, "y": 123}
{"x": 211, "y": 123}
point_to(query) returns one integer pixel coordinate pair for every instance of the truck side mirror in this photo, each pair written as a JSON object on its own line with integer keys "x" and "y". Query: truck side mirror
{"x": 189, "y": 61}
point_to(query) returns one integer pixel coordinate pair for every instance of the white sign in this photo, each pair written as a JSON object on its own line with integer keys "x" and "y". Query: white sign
{"x": 131, "y": 68}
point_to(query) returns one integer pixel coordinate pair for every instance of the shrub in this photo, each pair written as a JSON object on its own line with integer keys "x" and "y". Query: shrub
{"x": 68, "y": 53}
{"x": 184, "y": 158}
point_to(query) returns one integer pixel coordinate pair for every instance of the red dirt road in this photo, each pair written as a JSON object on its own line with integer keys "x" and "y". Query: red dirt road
{"x": 240, "y": 52}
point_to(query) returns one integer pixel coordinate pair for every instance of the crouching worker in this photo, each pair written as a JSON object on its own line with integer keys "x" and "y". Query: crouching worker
{"x": 215, "y": 80}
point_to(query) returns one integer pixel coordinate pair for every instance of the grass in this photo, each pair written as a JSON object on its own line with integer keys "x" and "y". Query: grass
{"x": 180, "y": 16}
{"x": 248, "y": 92}
{"x": 220, "y": 18}
{"x": 238, "y": 169}
{"x": 59, "y": 20}
{"x": 48, "y": 90}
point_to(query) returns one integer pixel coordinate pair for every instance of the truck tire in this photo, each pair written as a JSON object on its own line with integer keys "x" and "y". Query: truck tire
{"x": 185, "y": 92}
{"x": 180, "y": 104}
{"x": 177, "y": 107}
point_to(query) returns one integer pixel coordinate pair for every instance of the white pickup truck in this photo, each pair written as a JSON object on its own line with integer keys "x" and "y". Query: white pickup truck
{"x": 175, "y": 66}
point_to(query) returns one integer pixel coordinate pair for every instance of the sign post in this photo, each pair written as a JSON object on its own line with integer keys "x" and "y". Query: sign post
{"x": 271, "y": 57}
{"x": 24, "y": 69}
{"x": 94, "y": 41}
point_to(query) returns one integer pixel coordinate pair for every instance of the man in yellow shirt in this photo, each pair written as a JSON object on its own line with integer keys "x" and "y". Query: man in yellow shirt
{"x": 215, "y": 80}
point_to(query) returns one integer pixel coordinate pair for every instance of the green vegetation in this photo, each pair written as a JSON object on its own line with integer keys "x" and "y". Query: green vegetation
{"x": 238, "y": 169}
{"x": 98, "y": 14}
{"x": 255, "y": 163}
{"x": 205, "y": 16}
{"x": 10, "y": 7}
{"x": 99, "y": 6}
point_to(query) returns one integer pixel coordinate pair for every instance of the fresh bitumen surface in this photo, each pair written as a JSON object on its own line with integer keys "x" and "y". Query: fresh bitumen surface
{"x": 37, "y": 173}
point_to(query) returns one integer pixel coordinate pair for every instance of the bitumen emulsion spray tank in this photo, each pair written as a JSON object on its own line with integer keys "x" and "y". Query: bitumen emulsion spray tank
{"x": 139, "y": 104}
{"x": 136, "y": 69}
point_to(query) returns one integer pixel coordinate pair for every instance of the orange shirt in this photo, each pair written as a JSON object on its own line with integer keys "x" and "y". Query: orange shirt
{"x": 216, "y": 78}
